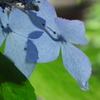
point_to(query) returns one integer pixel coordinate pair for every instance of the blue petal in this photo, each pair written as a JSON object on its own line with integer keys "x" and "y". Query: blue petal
{"x": 35, "y": 35}
{"x": 32, "y": 53}
{"x": 3, "y": 17}
{"x": 72, "y": 30}
{"x": 15, "y": 50}
{"x": 47, "y": 12}
{"x": 3, "y": 22}
{"x": 20, "y": 23}
{"x": 48, "y": 50}
{"x": 77, "y": 64}
{"x": 41, "y": 20}
{"x": 46, "y": 9}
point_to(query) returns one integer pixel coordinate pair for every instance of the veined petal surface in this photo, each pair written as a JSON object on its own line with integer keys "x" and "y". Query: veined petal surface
{"x": 77, "y": 64}
{"x": 3, "y": 17}
{"x": 14, "y": 50}
{"x": 72, "y": 30}
{"x": 47, "y": 12}
{"x": 19, "y": 22}
{"x": 46, "y": 9}
{"x": 48, "y": 50}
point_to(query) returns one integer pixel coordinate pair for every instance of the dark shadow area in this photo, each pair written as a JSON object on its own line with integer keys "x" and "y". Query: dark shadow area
{"x": 39, "y": 19}
{"x": 73, "y": 12}
{"x": 96, "y": 71}
{"x": 32, "y": 52}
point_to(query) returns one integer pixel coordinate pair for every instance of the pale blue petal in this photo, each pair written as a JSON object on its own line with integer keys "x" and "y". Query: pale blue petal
{"x": 3, "y": 22}
{"x": 47, "y": 12}
{"x": 20, "y": 23}
{"x": 48, "y": 50}
{"x": 72, "y": 30}
{"x": 46, "y": 9}
{"x": 3, "y": 17}
{"x": 77, "y": 64}
{"x": 15, "y": 50}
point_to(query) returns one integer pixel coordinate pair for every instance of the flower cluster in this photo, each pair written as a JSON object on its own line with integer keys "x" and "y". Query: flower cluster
{"x": 37, "y": 35}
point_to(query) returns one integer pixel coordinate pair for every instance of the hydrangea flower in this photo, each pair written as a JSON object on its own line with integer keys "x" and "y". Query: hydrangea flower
{"x": 63, "y": 32}
{"x": 48, "y": 13}
{"x": 15, "y": 29}
{"x": 75, "y": 61}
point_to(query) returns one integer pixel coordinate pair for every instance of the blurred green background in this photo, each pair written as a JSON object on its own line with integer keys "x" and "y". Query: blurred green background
{"x": 50, "y": 80}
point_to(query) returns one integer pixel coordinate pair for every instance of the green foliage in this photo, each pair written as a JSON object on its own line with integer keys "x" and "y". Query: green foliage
{"x": 13, "y": 84}
{"x": 53, "y": 82}
{"x": 93, "y": 33}
{"x": 2, "y": 47}
{"x": 80, "y": 1}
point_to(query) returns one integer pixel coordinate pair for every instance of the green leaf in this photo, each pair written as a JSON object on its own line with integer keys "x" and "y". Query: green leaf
{"x": 2, "y": 47}
{"x": 13, "y": 84}
{"x": 53, "y": 82}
